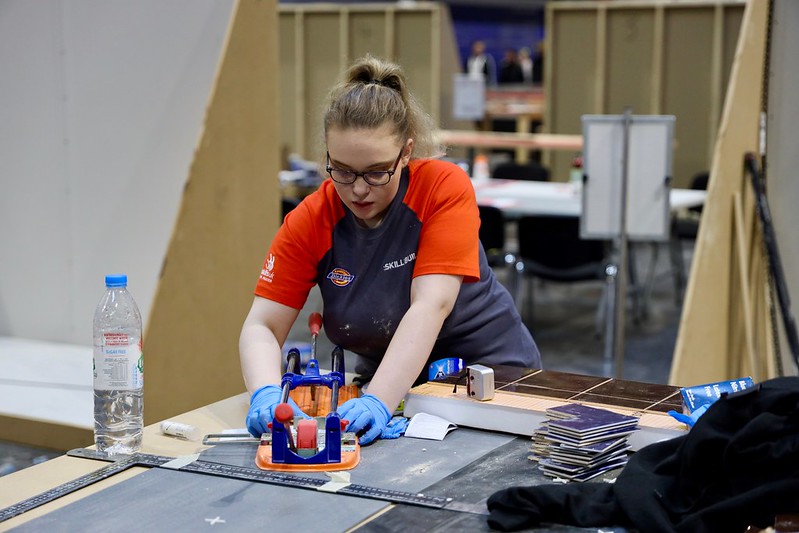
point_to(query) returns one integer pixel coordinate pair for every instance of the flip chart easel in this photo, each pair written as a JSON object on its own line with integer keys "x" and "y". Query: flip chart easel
{"x": 626, "y": 183}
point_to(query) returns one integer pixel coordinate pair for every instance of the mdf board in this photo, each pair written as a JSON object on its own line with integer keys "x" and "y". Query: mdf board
{"x": 690, "y": 75}
{"x": 655, "y": 57}
{"x": 631, "y": 48}
{"x": 368, "y": 35}
{"x": 289, "y": 81}
{"x": 731, "y": 24}
{"x": 417, "y": 52}
{"x": 572, "y": 92}
{"x": 229, "y": 211}
{"x": 321, "y": 64}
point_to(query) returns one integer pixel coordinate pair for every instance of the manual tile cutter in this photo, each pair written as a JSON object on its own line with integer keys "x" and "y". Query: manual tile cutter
{"x": 281, "y": 450}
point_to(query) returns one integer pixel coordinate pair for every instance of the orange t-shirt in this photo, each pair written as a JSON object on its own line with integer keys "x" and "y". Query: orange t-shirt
{"x": 365, "y": 275}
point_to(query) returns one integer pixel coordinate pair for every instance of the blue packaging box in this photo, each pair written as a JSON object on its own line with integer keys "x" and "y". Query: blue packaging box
{"x": 699, "y": 395}
{"x": 451, "y": 366}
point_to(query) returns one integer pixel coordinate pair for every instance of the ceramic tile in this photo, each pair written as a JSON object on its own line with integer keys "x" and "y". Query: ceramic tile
{"x": 607, "y": 400}
{"x": 562, "y": 381}
{"x": 648, "y": 393}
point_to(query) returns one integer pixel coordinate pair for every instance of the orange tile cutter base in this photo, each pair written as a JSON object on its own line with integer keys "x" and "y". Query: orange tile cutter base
{"x": 298, "y": 449}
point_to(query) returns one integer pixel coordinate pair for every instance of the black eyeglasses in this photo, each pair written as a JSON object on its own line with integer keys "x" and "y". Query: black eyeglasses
{"x": 375, "y": 178}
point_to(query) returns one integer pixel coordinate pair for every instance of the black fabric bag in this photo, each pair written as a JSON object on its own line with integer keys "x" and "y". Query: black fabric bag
{"x": 738, "y": 466}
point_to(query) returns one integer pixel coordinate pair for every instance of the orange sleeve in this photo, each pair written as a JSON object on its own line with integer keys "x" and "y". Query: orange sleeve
{"x": 443, "y": 197}
{"x": 290, "y": 268}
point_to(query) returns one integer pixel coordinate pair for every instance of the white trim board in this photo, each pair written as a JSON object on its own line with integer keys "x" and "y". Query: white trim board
{"x": 521, "y": 414}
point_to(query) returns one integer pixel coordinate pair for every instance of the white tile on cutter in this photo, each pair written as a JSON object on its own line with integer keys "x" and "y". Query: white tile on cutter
{"x": 46, "y": 381}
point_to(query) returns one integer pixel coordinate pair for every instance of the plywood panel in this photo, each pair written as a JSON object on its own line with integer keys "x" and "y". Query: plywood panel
{"x": 733, "y": 16}
{"x": 450, "y": 64}
{"x": 329, "y": 37}
{"x": 705, "y": 344}
{"x": 367, "y": 33}
{"x": 571, "y": 78}
{"x": 731, "y": 27}
{"x": 687, "y": 85}
{"x": 414, "y": 46}
{"x": 658, "y": 57}
{"x": 291, "y": 89}
{"x": 322, "y": 64}
{"x": 630, "y": 68}
{"x": 44, "y": 434}
{"x": 229, "y": 211}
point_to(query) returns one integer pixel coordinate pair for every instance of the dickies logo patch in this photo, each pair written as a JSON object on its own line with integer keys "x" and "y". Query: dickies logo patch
{"x": 340, "y": 277}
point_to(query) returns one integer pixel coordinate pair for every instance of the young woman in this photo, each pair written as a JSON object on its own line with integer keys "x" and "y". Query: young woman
{"x": 392, "y": 241}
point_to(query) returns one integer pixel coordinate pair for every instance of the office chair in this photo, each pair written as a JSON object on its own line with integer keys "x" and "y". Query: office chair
{"x": 514, "y": 171}
{"x": 685, "y": 228}
{"x": 550, "y": 248}
{"x": 492, "y": 237}
{"x": 287, "y": 204}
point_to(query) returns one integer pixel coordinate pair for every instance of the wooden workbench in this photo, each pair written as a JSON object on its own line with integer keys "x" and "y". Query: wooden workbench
{"x": 23, "y": 484}
{"x": 469, "y": 465}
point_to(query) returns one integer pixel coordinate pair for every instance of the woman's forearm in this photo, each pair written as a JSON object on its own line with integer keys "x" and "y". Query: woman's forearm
{"x": 263, "y": 333}
{"x": 260, "y": 355}
{"x": 414, "y": 339}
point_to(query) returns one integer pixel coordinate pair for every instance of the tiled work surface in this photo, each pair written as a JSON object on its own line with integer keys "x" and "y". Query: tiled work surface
{"x": 589, "y": 389}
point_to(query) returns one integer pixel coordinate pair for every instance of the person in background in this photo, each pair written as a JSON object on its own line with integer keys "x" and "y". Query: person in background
{"x": 510, "y": 71}
{"x": 526, "y": 64}
{"x": 391, "y": 239}
{"x": 480, "y": 64}
{"x": 538, "y": 64}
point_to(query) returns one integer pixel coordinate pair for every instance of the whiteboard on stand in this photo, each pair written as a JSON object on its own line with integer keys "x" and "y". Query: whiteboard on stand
{"x": 649, "y": 167}
{"x": 469, "y": 97}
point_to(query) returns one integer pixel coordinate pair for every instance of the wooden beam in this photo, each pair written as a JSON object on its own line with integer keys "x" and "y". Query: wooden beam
{"x": 44, "y": 434}
{"x": 493, "y": 139}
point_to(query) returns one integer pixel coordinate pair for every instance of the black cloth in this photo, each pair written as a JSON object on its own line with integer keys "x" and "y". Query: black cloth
{"x": 738, "y": 466}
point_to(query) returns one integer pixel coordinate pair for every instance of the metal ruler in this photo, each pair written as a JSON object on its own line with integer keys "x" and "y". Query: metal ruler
{"x": 227, "y": 471}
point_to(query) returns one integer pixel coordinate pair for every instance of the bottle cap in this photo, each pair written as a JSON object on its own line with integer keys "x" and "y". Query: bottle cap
{"x": 116, "y": 280}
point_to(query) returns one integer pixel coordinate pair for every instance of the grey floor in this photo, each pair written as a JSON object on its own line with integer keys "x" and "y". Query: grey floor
{"x": 563, "y": 323}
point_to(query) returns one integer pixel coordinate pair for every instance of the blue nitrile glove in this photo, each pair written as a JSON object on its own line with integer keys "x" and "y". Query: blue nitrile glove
{"x": 691, "y": 419}
{"x": 262, "y": 409}
{"x": 365, "y": 413}
{"x": 396, "y": 428}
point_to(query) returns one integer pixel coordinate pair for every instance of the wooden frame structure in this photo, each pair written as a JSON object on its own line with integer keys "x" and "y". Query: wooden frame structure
{"x": 725, "y": 329}
{"x": 319, "y": 41}
{"x": 656, "y": 57}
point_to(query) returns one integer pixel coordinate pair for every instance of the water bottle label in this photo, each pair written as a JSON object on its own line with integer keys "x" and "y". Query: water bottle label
{"x": 118, "y": 364}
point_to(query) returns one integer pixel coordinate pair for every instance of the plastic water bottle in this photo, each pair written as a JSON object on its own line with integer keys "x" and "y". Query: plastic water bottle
{"x": 481, "y": 170}
{"x": 118, "y": 370}
{"x": 576, "y": 174}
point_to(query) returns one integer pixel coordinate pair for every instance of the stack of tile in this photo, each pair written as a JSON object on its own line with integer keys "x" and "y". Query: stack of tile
{"x": 578, "y": 442}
